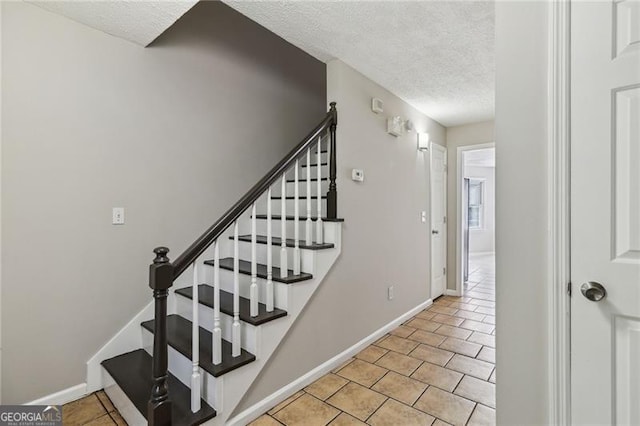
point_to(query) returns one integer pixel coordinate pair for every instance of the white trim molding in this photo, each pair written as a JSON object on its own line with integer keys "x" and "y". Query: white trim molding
{"x": 459, "y": 243}
{"x": 559, "y": 193}
{"x": 62, "y": 397}
{"x": 285, "y": 392}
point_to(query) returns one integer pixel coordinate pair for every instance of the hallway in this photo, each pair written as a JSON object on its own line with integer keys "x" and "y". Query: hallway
{"x": 482, "y": 277}
{"x": 437, "y": 368}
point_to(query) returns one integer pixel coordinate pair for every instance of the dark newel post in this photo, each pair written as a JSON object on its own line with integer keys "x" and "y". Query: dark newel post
{"x": 332, "y": 195}
{"x": 160, "y": 280}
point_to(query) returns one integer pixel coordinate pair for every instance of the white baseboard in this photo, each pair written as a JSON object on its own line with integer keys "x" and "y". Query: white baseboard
{"x": 63, "y": 396}
{"x": 285, "y": 392}
{"x": 450, "y": 292}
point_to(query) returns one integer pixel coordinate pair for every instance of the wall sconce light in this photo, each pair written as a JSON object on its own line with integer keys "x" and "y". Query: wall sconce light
{"x": 423, "y": 142}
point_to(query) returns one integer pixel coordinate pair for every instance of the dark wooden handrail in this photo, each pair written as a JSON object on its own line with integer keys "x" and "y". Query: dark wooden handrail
{"x": 189, "y": 256}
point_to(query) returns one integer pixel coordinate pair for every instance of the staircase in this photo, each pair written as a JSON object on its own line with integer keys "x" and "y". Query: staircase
{"x": 222, "y": 307}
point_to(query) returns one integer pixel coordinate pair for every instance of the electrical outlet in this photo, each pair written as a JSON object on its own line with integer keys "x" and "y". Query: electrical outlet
{"x": 390, "y": 293}
{"x": 118, "y": 216}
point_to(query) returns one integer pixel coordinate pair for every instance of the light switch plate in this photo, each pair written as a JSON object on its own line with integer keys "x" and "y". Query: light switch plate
{"x": 377, "y": 105}
{"x": 357, "y": 175}
{"x": 118, "y": 216}
{"x": 423, "y": 216}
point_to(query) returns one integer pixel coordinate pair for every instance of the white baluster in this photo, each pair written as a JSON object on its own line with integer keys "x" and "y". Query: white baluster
{"x": 235, "y": 333}
{"x": 296, "y": 219}
{"x": 253, "y": 290}
{"x": 284, "y": 267}
{"x": 216, "y": 344}
{"x": 319, "y": 228}
{"x": 269, "y": 256}
{"x": 309, "y": 224}
{"x": 195, "y": 345}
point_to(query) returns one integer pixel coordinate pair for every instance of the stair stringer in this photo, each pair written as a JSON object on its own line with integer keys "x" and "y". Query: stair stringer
{"x": 236, "y": 383}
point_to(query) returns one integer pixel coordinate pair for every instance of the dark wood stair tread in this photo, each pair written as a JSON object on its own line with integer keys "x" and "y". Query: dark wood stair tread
{"x": 313, "y": 164}
{"x": 132, "y": 372}
{"x": 312, "y": 180}
{"x": 205, "y": 297}
{"x": 179, "y": 337}
{"x": 301, "y": 218}
{"x": 245, "y": 268}
{"x": 300, "y": 197}
{"x": 262, "y": 239}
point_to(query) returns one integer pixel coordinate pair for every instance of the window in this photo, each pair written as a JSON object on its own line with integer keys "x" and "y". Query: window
{"x": 476, "y": 207}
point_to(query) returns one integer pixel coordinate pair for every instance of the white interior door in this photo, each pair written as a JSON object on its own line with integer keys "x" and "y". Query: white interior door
{"x": 438, "y": 220}
{"x": 605, "y": 212}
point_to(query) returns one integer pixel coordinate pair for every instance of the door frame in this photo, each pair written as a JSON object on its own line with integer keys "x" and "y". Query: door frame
{"x": 459, "y": 244}
{"x": 558, "y": 193}
{"x": 444, "y": 208}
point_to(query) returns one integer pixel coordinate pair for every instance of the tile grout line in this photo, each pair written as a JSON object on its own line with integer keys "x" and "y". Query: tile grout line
{"x": 404, "y": 340}
{"x": 105, "y": 408}
{"x": 289, "y": 403}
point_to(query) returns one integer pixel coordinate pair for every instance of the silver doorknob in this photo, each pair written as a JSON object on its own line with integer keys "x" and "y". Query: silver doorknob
{"x": 434, "y": 232}
{"x": 593, "y": 291}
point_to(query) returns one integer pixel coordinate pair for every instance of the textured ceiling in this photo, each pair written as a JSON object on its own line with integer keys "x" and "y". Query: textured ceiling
{"x": 137, "y": 21}
{"x": 436, "y": 55}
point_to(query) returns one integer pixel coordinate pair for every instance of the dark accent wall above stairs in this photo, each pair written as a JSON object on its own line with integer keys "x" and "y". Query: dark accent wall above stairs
{"x": 174, "y": 133}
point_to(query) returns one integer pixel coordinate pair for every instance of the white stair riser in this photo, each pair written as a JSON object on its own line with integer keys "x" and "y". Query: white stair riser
{"x": 314, "y": 154}
{"x": 226, "y": 283}
{"x": 290, "y": 226}
{"x": 302, "y": 174}
{"x": 276, "y": 207}
{"x": 181, "y": 367}
{"x": 306, "y": 256}
{"x": 121, "y": 401}
{"x": 248, "y": 331}
{"x": 226, "y": 247}
{"x": 302, "y": 188}
{"x": 276, "y": 189}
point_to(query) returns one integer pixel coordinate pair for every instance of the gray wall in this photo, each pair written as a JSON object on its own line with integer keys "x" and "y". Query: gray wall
{"x": 384, "y": 243}
{"x": 466, "y": 134}
{"x": 521, "y": 212}
{"x": 174, "y": 133}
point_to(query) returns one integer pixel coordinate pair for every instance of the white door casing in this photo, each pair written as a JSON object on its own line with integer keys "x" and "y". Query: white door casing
{"x": 438, "y": 220}
{"x": 460, "y": 213}
{"x": 605, "y": 211}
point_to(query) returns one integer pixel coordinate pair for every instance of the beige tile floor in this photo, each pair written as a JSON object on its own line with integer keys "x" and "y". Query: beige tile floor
{"x": 437, "y": 368}
{"x": 95, "y": 410}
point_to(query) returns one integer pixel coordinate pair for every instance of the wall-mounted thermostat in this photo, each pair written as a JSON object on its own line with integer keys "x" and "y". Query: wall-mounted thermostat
{"x": 376, "y": 105}
{"x": 357, "y": 175}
